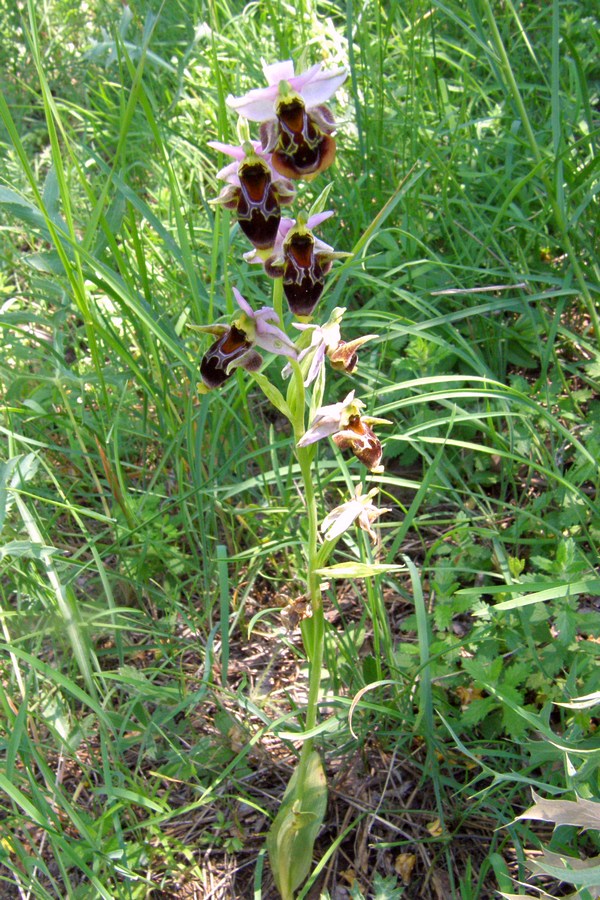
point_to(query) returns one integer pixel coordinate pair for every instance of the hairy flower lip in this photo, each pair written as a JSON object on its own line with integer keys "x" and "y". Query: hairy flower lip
{"x": 257, "y": 325}
{"x": 235, "y": 343}
{"x": 254, "y": 191}
{"x": 286, "y": 226}
{"x": 301, "y": 259}
{"x": 240, "y": 153}
{"x": 314, "y": 86}
{"x": 328, "y": 419}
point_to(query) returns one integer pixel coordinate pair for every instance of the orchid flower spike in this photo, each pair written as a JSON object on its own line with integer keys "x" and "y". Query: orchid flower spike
{"x": 235, "y": 344}
{"x": 349, "y": 429}
{"x": 360, "y": 510}
{"x": 326, "y": 341}
{"x": 254, "y": 190}
{"x": 296, "y": 127}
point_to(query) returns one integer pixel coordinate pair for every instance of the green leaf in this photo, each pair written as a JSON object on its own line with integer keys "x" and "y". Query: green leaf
{"x": 321, "y": 202}
{"x": 273, "y": 395}
{"x": 26, "y": 550}
{"x": 292, "y": 835}
{"x": 589, "y": 586}
{"x": 357, "y": 570}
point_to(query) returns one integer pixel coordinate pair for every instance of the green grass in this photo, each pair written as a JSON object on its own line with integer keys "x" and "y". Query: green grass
{"x": 151, "y": 534}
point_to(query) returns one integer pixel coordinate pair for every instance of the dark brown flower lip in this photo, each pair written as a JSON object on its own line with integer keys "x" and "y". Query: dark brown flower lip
{"x": 301, "y": 247}
{"x": 230, "y": 347}
{"x": 300, "y": 141}
{"x": 305, "y": 161}
{"x": 256, "y": 180}
{"x": 303, "y": 276}
{"x": 258, "y": 210}
{"x": 291, "y": 113}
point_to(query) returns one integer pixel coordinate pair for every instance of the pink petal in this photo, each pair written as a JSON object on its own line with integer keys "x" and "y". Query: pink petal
{"x": 298, "y": 82}
{"x": 322, "y": 247}
{"x": 229, "y": 173}
{"x": 316, "y": 365}
{"x": 285, "y": 225}
{"x": 252, "y": 257}
{"x": 274, "y": 340}
{"x": 326, "y": 421}
{"x": 319, "y": 217}
{"x": 257, "y": 105}
{"x": 322, "y": 86}
{"x": 243, "y": 304}
{"x": 314, "y": 434}
{"x": 266, "y": 314}
{"x": 229, "y": 149}
{"x": 281, "y": 71}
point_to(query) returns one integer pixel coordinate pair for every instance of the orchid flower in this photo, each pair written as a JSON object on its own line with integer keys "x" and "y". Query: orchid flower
{"x": 302, "y": 259}
{"x": 349, "y": 429}
{"x": 296, "y": 128}
{"x": 326, "y": 340}
{"x": 255, "y": 190}
{"x": 235, "y": 344}
{"x": 359, "y": 510}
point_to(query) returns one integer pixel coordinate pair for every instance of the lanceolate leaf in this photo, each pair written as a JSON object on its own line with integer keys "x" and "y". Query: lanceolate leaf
{"x": 357, "y": 570}
{"x": 292, "y": 835}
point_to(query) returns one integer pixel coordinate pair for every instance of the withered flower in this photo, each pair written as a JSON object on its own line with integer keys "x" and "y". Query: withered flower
{"x": 326, "y": 341}
{"x": 254, "y": 190}
{"x": 360, "y": 510}
{"x": 349, "y": 429}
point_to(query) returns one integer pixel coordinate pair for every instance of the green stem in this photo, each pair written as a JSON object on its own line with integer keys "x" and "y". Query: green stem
{"x": 278, "y": 299}
{"x": 314, "y": 627}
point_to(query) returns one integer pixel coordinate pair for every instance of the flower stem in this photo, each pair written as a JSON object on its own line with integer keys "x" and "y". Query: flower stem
{"x": 314, "y": 627}
{"x": 278, "y": 299}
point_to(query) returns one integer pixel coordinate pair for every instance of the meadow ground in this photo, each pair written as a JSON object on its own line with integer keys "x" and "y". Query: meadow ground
{"x": 153, "y": 544}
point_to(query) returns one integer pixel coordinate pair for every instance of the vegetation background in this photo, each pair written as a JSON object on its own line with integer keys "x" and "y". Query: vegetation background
{"x": 151, "y": 536}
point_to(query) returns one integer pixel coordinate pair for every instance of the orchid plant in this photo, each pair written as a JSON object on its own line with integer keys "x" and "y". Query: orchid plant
{"x": 297, "y": 141}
